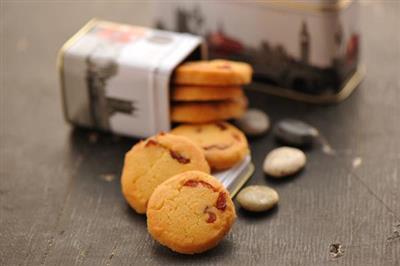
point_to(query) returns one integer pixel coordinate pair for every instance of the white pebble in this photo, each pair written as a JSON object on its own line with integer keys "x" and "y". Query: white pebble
{"x": 254, "y": 122}
{"x": 284, "y": 161}
{"x": 257, "y": 198}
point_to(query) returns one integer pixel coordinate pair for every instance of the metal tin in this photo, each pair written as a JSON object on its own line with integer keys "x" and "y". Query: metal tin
{"x": 116, "y": 77}
{"x": 306, "y": 50}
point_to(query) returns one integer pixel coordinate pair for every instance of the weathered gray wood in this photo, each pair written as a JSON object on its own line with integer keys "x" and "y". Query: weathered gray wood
{"x": 60, "y": 200}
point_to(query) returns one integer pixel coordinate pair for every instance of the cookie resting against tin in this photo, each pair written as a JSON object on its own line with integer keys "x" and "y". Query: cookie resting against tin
{"x": 152, "y": 161}
{"x": 190, "y": 212}
{"x": 295, "y": 132}
{"x": 284, "y": 161}
{"x": 223, "y": 144}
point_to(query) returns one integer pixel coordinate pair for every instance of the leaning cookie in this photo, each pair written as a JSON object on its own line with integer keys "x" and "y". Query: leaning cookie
{"x": 202, "y": 93}
{"x": 152, "y": 161}
{"x": 190, "y": 212}
{"x": 213, "y": 73}
{"x": 224, "y": 145}
{"x": 204, "y": 112}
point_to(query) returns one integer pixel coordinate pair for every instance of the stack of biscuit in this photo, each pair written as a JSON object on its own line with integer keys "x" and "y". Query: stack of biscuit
{"x": 209, "y": 91}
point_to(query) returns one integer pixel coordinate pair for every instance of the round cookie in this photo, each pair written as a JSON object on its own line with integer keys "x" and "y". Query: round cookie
{"x": 213, "y": 73}
{"x": 204, "y": 112}
{"x": 154, "y": 160}
{"x": 224, "y": 145}
{"x": 201, "y": 93}
{"x": 190, "y": 212}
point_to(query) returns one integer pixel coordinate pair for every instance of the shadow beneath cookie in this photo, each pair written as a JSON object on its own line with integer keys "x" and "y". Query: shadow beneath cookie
{"x": 242, "y": 213}
{"x": 135, "y": 217}
{"x": 165, "y": 256}
{"x": 255, "y": 138}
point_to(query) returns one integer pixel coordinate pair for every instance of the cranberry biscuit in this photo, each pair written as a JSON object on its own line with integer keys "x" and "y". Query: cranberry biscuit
{"x": 152, "y": 161}
{"x": 205, "y": 112}
{"x": 213, "y": 73}
{"x": 201, "y": 93}
{"x": 224, "y": 145}
{"x": 190, "y": 212}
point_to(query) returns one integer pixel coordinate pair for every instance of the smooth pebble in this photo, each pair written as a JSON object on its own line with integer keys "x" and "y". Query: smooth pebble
{"x": 254, "y": 122}
{"x": 284, "y": 161}
{"x": 295, "y": 132}
{"x": 257, "y": 198}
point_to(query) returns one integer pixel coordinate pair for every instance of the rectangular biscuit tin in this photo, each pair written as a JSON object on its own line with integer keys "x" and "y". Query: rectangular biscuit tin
{"x": 306, "y": 50}
{"x": 115, "y": 77}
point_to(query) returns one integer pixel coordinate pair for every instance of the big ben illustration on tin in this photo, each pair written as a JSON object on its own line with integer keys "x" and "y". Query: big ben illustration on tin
{"x": 100, "y": 68}
{"x": 304, "y": 43}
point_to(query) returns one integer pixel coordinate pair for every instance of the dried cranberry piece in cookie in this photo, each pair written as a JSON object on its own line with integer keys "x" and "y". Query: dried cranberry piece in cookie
{"x": 195, "y": 183}
{"x": 221, "y": 126}
{"x": 236, "y": 137}
{"x": 212, "y": 217}
{"x": 151, "y": 142}
{"x": 221, "y": 201}
{"x": 191, "y": 183}
{"x": 179, "y": 157}
{"x": 174, "y": 154}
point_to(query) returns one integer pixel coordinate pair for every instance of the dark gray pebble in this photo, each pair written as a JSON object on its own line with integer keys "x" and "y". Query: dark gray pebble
{"x": 295, "y": 132}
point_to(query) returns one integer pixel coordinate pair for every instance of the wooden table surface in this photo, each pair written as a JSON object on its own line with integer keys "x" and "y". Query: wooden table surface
{"x": 60, "y": 199}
